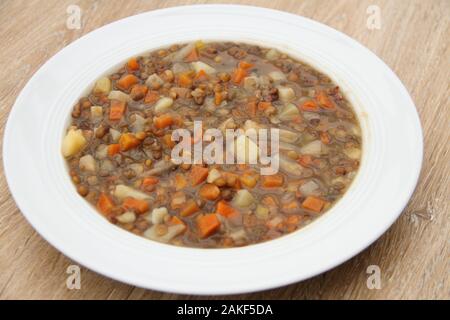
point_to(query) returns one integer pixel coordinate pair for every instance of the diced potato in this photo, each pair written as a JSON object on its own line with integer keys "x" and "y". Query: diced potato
{"x": 164, "y": 104}
{"x": 251, "y": 83}
{"x": 272, "y": 54}
{"x": 73, "y": 142}
{"x": 96, "y": 112}
{"x": 238, "y": 235}
{"x": 122, "y": 191}
{"x": 213, "y": 175}
{"x": 286, "y": 94}
{"x": 119, "y": 95}
{"x": 87, "y": 163}
{"x": 262, "y": 212}
{"x": 154, "y": 81}
{"x": 158, "y": 214}
{"x": 103, "y": 85}
{"x": 277, "y": 76}
{"x": 313, "y": 148}
{"x": 127, "y": 217}
{"x": 247, "y": 151}
{"x": 290, "y": 167}
{"x": 138, "y": 168}
{"x": 139, "y": 124}
{"x": 115, "y": 134}
{"x": 309, "y": 188}
{"x": 243, "y": 198}
{"x": 101, "y": 152}
{"x": 198, "y": 66}
{"x": 288, "y": 112}
{"x": 353, "y": 153}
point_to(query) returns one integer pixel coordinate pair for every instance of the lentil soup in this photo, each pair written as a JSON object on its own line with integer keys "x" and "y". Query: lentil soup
{"x": 118, "y": 145}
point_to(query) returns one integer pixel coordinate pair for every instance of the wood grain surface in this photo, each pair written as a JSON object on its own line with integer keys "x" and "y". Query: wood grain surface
{"x": 413, "y": 255}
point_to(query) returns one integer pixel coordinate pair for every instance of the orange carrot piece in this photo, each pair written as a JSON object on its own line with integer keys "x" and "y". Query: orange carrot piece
{"x": 269, "y": 201}
{"x": 251, "y": 108}
{"x": 185, "y": 80}
{"x": 309, "y": 105}
{"x": 133, "y": 64}
{"x": 175, "y": 220}
{"x": 198, "y": 175}
{"x": 272, "y": 181}
{"x": 149, "y": 181}
{"x": 192, "y": 56}
{"x": 313, "y": 204}
{"x": 151, "y": 97}
{"x": 325, "y": 137}
{"x": 218, "y": 98}
{"x": 245, "y": 65}
{"x": 232, "y": 179}
{"x": 117, "y": 110}
{"x": 263, "y": 105}
{"x": 163, "y": 121}
{"x": 105, "y": 204}
{"x": 139, "y": 91}
{"x": 128, "y": 141}
{"x": 201, "y": 75}
{"x": 167, "y": 139}
{"x": 305, "y": 160}
{"x": 180, "y": 182}
{"x": 137, "y": 205}
{"x": 293, "y": 220}
{"x": 127, "y": 81}
{"x": 226, "y": 210}
{"x": 324, "y": 100}
{"x": 190, "y": 208}
{"x": 207, "y": 225}
{"x": 209, "y": 191}
{"x": 238, "y": 75}
{"x": 113, "y": 149}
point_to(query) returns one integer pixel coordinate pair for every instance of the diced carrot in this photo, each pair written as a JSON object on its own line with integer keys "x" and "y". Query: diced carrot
{"x": 198, "y": 175}
{"x": 113, "y": 149}
{"x": 313, "y": 203}
{"x": 248, "y": 179}
{"x": 289, "y": 206}
{"x": 105, "y": 204}
{"x": 263, "y": 105}
{"x": 209, "y": 191}
{"x": 117, "y": 110}
{"x": 137, "y": 205}
{"x": 127, "y": 81}
{"x": 138, "y": 91}
{"x": 128, "y": 141}
{"x": 190, "y": 208}
{"x": 324, "y": 100}
{"x": 180, "y": 182}
{"x": 185, "y": 80}
{"x": 149, "y": 181}
{"x": 133, "y": 64}
{"x": 226, "y": 210}
{"x": 201, "y": 75}
{"x": 192, "y": 56}
{"x": 207, "y": 225}
{"x": 175, "y": 220}
{"x": 272, "y": 181}
{"x": 305, "y": 160}
{"x": 218, "y": 98}
{"x": 151, "y": 97}
{"x": 245, "y": 65}
{"x": 309, "y": 105}
{"x": 325, "y": 137}
{"x": 163, "y": 121}
{"x": 167, "y": 139}
{"x": 251, "y": 108}
{"x": 238, "y": 75}
{"x": 293, "y": 219}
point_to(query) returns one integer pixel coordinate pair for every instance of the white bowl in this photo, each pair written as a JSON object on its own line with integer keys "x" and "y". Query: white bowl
{"x": 38, "y": 179}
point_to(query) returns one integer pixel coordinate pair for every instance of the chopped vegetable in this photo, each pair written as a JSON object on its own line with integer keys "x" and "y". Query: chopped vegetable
{"x": 207, "y": 225}
{"x": 163, "y": 121}
{"x": 209, "y": 192}
{"x": 226, "y": 210}
{"x": 122, "y": 191}
{"x": 127, "y": 81}
{"x": 313, "y": 203}
{"x": 133, "y": 64}
{"x": 272, "y": 181}
{"x": 243, "y": 198}
{"x": 137, "y": 205}
{"x": 158, "y": 214}
{"x": 117, "y": 110}
{"x": 128, "y": 141}
{"x": 189, "y": 209}
{"x": 163, "y": 105}
{"x": 198, "y": 175}
{"x": 102, "y": 86}
{"x": 105, "y": 204}
{"x": 87, "y": 163}
{"x": 73, "y": 142}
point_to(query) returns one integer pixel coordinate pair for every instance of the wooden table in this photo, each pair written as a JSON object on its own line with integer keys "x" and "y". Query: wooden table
{"x": 413, "y": 255}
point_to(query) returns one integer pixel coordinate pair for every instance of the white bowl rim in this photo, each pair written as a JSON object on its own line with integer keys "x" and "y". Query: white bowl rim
{"x": 341, "y": 244}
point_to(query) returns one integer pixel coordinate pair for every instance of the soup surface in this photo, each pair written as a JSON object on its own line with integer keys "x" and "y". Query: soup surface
{"x": 120, "y": 145}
